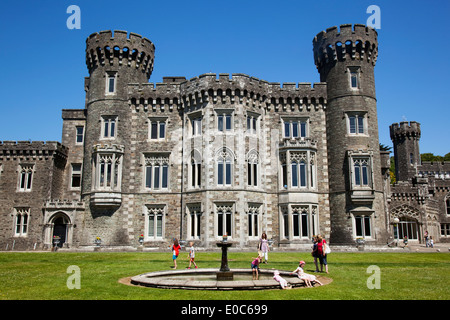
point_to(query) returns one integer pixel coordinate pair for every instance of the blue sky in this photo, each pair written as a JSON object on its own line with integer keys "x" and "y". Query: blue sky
{"x": 44, "y": 67}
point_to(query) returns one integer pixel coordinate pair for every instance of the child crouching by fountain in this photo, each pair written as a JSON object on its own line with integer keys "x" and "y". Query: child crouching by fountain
{"x": 255, "y": 267}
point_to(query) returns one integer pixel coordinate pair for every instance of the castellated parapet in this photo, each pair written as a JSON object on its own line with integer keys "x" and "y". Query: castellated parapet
{"x": 31, "y": 149}
{"x": 405, "y": 129}
{"x": 133, "y": 50}
{"x": 357, "y": 43}
{"x": 240, "y": 88}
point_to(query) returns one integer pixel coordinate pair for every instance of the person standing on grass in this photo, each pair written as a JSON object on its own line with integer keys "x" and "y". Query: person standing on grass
{"x": 175, "y": 251}
{"x": 191, "y": 255}
{"x": 264, "y": 247}
{"x": 321, "y": 250}
{"x": 315, "y": 253}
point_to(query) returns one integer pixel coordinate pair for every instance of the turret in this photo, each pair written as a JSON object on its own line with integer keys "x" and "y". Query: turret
{"x": 345, "y": 58}
{"x": 405, "y": 137}
{"x": 114, "y": 61}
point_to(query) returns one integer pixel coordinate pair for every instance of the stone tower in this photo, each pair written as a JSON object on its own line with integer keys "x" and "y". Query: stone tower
{"x": 114, "y": 61}
{"x": 405, "y": 137}
{"x": 345, "y": 59}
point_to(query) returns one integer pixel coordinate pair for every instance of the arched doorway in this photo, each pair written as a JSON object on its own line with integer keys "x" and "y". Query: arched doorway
{"x": 405, "y": 221}
{"x": 60, "y": 228}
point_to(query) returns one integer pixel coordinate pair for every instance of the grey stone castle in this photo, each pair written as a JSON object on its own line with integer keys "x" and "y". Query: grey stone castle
{"x": 218, "y": 154}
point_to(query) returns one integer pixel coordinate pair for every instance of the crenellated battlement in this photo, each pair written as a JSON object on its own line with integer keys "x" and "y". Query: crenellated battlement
{"x": 31, "y": 149}
{"x": 357, "y": 42}
{"x": 122, "y": 49}
{"x": 219, "y": 88}
{"x": 405, "y": 129}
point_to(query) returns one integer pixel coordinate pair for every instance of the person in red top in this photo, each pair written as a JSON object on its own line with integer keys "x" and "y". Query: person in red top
{"x": 321, "y": 248}
{"x": 175, "y": 251}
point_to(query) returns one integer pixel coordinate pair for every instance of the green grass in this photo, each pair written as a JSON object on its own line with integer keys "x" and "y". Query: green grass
{"x": 43, "y": 276}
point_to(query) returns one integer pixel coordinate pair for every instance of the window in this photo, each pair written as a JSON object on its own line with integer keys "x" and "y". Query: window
{"x": 252, "y": 123}
{"x": 109, "y": 127}
{"x": 224, "y": 120}
{"x": 252, "y": 168}
{"x": 361, "y": 172}
{"x": 224, "y": 167}
{"x": 445, "y": 229}
{"x": 354, "y": 77}
{"x": 154, "y": 221}
{"x": 111, "y": 82}
{"x": 76, "y": 175}
{"x": 299, "y": 173}
{"x": 284, "y": 175}
{"x": 298, "y": 221}
{"x": 301, "y": 170}
{"x": 108, "y": 171}
{"x": 253, "y": 220}
{"x": 447, "y": 205}
{"x": 157, "y": 128}
{"x": 196, "y": 126}
{"x": 295, "y": 128}
{"x": 194, "y": 221}
{"x": 156, "y": 171}
{"x": 363, "y": 226}
{"x": 25, "y": 177}
{"x": 21, "y": 221}
{"x": 196, "y": 169}
{"x": 285, "y": 224}
{"x": 356, "y": 123}
{"x": 224, "y": 220}
{"x": 79, "y": 134}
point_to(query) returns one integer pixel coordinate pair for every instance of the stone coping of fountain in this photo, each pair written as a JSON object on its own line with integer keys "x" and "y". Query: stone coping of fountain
{"x": 157, "y": 280}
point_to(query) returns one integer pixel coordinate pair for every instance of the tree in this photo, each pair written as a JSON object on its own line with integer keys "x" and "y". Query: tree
{"x": 392, "y": 171}
{"x": 432, "y": 157}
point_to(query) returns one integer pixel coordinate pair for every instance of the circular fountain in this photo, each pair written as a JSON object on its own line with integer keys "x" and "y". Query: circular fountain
{"x": 213, "y": 279}
{"x": 206, "y": 279}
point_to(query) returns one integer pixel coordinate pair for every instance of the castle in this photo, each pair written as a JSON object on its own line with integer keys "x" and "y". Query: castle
{"x": 218, "y": 154}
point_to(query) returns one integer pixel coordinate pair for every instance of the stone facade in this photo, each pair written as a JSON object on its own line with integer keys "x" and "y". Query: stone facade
{"x": 420, "y": 200}
{"x": 216, "y": 154}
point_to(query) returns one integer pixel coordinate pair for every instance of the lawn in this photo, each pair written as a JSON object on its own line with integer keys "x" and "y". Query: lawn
{"x": 44, "y": 276}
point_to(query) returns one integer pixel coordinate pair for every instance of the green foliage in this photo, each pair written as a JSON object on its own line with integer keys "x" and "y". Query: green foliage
{"x": 392, "y": 170}
{"x": 43, "y": 276}
{"x": 432, "y": 157}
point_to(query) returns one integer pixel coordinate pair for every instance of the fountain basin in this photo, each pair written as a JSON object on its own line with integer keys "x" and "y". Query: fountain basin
{"x": 205, "y": 279}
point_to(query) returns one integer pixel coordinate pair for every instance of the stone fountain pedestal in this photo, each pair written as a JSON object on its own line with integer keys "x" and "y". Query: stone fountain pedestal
{"x": 224, "y": 273}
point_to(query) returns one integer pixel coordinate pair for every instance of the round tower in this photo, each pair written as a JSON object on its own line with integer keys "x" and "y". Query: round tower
{"x": 345, "y": 59}
{"x": 405, "y": 138}
{"x": 114, "y": 60}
